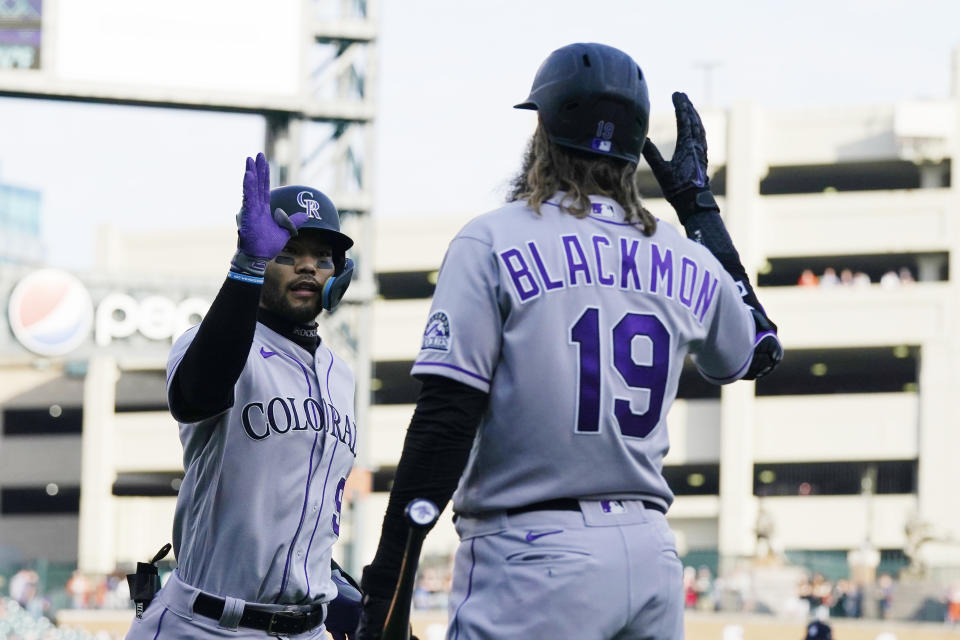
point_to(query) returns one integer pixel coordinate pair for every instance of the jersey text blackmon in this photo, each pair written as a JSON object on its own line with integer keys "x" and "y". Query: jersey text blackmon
{"x": 611, "y": 262}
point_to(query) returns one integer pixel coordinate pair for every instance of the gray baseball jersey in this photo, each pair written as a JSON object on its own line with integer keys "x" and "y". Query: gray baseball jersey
{"x": 578, "y": 329}
{"x": 259, "y": 506}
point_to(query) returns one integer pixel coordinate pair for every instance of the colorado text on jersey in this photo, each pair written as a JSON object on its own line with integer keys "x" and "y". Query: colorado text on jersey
{"x": 286, "y": 415}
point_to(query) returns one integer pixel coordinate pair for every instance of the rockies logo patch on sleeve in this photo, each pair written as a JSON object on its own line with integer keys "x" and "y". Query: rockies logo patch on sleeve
{"x": 437, "y": 334}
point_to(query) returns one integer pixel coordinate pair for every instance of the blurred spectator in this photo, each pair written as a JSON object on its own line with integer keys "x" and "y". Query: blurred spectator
{"x": 808, "y": 278}
{"x": 79, "y": 589}
{"x": 805, "y": 593}
{"x": 906, "y": 276}
{"x": 890, "y": 280}
{"x": 689, "y": 587}
{"x": 24, "y": 586}
{"x": 861, "y": 279}
{"x": 117, "y": 592}
{"x": 838, "y": 601}
{"x": 884, "y": 594}
{"x": 704, "y": 589}
{"x": 846, "y": 601}
{"x": 829, "y": 278}
{"x": 821, "y": 592}
{"x": 953, "y": 606}
{"x": 433, "y": 588}
{"x": 846, "y": 277}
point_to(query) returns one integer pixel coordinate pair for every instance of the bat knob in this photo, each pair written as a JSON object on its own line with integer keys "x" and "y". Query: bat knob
{"x": 421, "y": 513}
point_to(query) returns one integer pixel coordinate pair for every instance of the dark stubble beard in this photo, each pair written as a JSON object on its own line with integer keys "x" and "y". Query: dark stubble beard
{"x": 274, "y": 299}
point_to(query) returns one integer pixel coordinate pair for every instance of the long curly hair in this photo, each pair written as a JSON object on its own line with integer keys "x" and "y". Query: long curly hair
{"x": 548, "y": 168}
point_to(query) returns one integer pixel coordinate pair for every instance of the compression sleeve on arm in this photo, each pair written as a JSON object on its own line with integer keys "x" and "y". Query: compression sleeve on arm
{"x": 700, "y": 216}
{"x": 707, "y": 228}
{"x": 202, "y": 385}
{"x": 434, "y": 456}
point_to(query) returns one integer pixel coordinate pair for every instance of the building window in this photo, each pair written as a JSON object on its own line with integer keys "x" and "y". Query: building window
{"x": 693, "y": 479}
{"x": 51, "y": 420}
{"x": 848, "y": 176}
{"x": 406, "y": 285}
{"x": 888, "y": 270}
{"x": 382, "y": 479}
{"x": 49, "y": 499}
{"x": 835, "y": 478}
{"x": 393, "y": 384}
{"x": 857, "y": 370}
{"x": 141, "y": 391}
{"x": 149, "y": 484}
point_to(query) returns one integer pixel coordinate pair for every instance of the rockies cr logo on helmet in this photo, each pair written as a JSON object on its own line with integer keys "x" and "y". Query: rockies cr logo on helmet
{"x": 311, "y": 206}
{"x": 321, "y": 214}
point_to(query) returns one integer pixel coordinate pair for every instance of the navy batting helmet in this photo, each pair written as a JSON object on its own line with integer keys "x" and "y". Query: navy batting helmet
{"x": 593, "y": 98}
{"x": 321, "y": 214}
{"x": 819, "y": 630}
{"x": 323, "y": 217}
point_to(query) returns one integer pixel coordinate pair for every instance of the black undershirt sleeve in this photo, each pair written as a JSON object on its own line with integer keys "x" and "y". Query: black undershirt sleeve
{"x": 434, "y": 456}
{"x": 203, "y": 383}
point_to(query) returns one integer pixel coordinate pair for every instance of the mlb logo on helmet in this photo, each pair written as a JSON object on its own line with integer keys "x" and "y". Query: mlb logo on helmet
{"x": 50, "y": 312}
{"x": 311, "y": 206}
{"x": 601, "y": 145}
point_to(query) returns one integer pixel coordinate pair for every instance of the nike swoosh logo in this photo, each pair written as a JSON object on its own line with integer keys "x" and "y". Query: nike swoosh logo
{"x": 267, "y": 354}
{"x": 531, "y": 536}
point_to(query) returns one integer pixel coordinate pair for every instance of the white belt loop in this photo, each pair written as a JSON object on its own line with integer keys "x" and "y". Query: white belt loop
{"x": 232, "y": 610}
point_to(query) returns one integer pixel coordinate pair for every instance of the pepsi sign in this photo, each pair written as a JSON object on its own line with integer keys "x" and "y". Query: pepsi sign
{"x": 50, "y": 312}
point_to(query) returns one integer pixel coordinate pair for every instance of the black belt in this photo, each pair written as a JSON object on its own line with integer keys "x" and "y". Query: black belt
{"x": 273, "y": 622}
{"x": 569, "y": 504}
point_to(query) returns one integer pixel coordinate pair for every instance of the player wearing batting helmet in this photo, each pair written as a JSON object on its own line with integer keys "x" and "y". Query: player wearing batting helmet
{"x": 550, "y": 359}
{"x": 818, "y": 630}
{"x": 266, "y": 413}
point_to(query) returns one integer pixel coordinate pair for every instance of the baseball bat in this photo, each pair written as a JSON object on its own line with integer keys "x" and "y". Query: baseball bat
{"x": 421, "y": 514}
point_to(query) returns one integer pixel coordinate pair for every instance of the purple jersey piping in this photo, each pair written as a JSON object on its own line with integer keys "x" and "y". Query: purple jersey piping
{"x": 160, "y": 624}
{"x": 473, "y": 565}
{"x": 323, "y": 496}
{"x": 745, "y": 366}
{"x": 323, "y": 493}
{"x": 451, "y": 366}
{"x": 306, "y": 496}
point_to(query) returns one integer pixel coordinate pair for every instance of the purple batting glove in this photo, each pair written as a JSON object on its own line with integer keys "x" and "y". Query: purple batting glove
{"x": 261, "y": 234}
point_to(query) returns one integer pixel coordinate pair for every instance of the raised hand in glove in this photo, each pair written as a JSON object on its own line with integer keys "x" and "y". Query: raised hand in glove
{"x": 683, "y": 179}
{"x": 685, "y": 184}
{"x": 262, "y": 234}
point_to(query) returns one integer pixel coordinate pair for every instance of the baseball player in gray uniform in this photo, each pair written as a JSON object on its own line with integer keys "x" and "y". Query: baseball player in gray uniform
{"x": 550, "y": 359}
{"x": 266, "y": 413}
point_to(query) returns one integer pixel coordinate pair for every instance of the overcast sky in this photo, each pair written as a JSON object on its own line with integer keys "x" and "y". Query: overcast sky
{"x": 448, "y": 74}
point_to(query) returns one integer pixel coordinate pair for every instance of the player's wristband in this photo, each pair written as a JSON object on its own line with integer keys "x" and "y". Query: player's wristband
{"x": 693, "y": 200}
{"x": 243, "y": 277}
{"x": 247, "y": 268}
